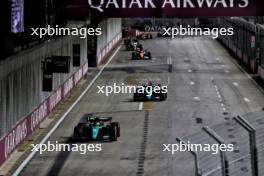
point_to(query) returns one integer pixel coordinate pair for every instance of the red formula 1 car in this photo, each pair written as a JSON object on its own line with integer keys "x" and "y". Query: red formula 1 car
{"x": 141, "y": 55}
{"x": 144, "y": 36}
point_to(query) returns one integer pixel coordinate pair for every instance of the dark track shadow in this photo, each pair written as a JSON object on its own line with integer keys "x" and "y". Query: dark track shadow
{"x": 60, "y": 160}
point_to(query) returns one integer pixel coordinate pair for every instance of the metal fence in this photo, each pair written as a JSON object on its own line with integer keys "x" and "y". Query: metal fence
{"x": 247, "y": 136}
{"x": 247, "y": 42}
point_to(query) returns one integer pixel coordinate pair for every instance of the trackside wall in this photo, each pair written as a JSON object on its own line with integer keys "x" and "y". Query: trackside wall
{"x": 23, "y": 104}
{"x": 111, "y": 35}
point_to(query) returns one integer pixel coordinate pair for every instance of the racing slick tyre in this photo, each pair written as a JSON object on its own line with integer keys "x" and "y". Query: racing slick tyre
{"x": 118, "y": 128}
{"x": 136, "y": 97}
{"x": 134, "y": 56}
{"x": 163, "y": 96}
{"x": 149, "y": 55}
{"x": 113, "y": 132}
{"x": 76, "y": 136}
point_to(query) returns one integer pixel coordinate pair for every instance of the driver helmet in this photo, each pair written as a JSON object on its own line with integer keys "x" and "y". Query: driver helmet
{"x": 97, "y": 121}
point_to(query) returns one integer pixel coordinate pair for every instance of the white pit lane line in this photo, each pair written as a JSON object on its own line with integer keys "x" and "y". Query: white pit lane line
{"x": 140, "y": 106}
{"x": 196, "y": 98}
{"x": 31, "y": 155}
{"x": 246, "y": 100}
{"x": 235, "y": 84}
{"x": 192, "y": 83}
{"x": 168, "y": 81}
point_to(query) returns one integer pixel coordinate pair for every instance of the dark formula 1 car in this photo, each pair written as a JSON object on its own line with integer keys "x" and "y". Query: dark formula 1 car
{"x": 144, "y": 36}
{"x": 141, "y": 55}
{"x": 132, "y": 45}
{"x": 93, "y": 128}
{"x": 150, "y": 92}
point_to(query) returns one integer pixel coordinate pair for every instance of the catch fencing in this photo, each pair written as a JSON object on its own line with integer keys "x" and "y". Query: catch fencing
{"x": 247, "y": 136}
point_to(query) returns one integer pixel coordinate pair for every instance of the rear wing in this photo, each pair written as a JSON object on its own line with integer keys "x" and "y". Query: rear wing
{"x": 105, "y": 119}
{"x": 90, "y": 117}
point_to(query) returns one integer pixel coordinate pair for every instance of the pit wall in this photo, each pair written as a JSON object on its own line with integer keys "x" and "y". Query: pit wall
{"x": 23, "y": 104}
{"x": 247, "y": 43}
{"x": 111, "y": 35}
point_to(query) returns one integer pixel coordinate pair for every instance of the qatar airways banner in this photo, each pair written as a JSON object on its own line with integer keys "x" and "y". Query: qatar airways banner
{"x": 25, "y": 127}
{"x": 173, "y": 8}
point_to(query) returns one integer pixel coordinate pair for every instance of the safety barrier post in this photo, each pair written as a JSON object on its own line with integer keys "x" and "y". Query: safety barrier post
{"x": 220, "y": 141}
{"x": 169, "y": 61}
{"x": 253, "y": 143}
{"x": 196, "y": 162}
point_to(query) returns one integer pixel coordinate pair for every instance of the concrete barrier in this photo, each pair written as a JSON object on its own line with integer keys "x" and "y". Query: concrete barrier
{"x": 42, "y": 103}
{"x": 26, "y": 126}
{"x": 23, "y": 104}
{"x": 111, "y": 35}
{"x": 108, "y": 47}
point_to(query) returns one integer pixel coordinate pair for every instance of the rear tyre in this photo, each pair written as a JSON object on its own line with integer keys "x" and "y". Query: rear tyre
{"x": 76, "y": 135}
{"x": 135, "y": 97}
{"x": 149, "y": 55}
{"x": 133, "y": 56}
{"x": 113, "y": 132}
{"x": 118, "y": 128}
{"x": 163, "y": 96}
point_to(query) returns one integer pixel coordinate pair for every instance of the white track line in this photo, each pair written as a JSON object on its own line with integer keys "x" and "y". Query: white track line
{"x": 168, "y": 81}
{"x": 31, "y": 155}
{"x": 246, "y": 99}
{"x": 235, "y": 84}
{"x": 140, "y": 106}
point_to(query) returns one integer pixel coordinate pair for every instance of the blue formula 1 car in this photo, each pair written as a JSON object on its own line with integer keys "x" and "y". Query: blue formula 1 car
{"x": 150, "y": 92}
{"x": 93, "y": 128}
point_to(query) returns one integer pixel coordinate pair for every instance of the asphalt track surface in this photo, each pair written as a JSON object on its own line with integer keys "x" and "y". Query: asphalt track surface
{"x": 205, "y": 85}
